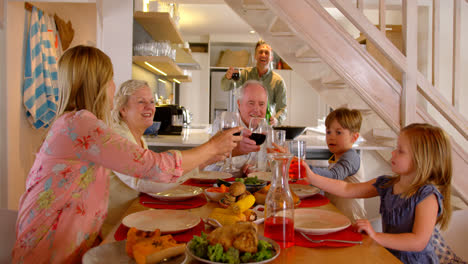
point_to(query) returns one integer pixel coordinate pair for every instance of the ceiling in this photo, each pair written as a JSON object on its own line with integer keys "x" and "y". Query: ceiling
{"x": 201, "y": 18}
{"x": 205, "y": 17}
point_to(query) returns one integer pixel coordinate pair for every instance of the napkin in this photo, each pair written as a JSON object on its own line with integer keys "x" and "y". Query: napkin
{"x": 314, "y": 201}
{"x": 183, "y": 237}
{"x": 345, "y": 234}
{"x": 194, "y": 202}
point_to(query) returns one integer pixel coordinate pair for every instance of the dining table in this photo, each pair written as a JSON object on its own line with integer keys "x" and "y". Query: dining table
{"x": 367, "y": 252}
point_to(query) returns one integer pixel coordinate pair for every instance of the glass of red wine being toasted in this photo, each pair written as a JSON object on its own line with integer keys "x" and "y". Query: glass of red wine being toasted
{"x": 259, "y": 128}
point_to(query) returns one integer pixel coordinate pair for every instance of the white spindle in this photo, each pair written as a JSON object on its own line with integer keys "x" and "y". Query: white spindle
{"x": 360, "y": 5}
{"x": 382, "y": 15}
{"x": 409, "y": 91}
{"x": 456, "y": 70}
{"x": 435, "y": 42}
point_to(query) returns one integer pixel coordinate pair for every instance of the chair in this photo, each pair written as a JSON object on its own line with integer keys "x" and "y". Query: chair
{"x": 456, "y": 234}
{"x": 7, "y": 234}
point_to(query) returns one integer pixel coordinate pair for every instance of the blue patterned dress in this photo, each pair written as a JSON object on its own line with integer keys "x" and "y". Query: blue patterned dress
{"x": 398, "y": 217}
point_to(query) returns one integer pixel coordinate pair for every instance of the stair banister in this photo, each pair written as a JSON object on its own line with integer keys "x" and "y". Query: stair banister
{"x": 398, "y": 59}
{"x": 409, "y": 90}
{"x": 359, "y": 62}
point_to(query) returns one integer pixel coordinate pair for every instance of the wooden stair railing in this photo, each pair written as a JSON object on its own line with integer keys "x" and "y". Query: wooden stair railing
{"x": 309, "y": 21}
{"x": 398, "y": 59}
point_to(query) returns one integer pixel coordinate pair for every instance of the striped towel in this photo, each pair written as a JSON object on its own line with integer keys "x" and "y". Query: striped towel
{"x": 40, "y": 90}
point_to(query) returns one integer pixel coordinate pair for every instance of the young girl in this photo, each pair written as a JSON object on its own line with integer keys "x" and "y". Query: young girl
{"x": 413, "y": 201}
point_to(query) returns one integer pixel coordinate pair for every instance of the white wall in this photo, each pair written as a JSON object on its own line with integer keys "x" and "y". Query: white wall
{"x": 115, "y": 28}
{"x": 21, "y": 139}
{"x": 195, "y": 95}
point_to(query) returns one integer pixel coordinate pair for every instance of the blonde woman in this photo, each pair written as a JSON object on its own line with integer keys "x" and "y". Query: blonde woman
{"x": 65, "y": 203}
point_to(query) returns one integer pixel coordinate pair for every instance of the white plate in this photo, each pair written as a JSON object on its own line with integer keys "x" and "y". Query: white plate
{"x": 272, "y": 242}
{"x": 168, "y": 221}
{"x": 115, "y": 253}
{"x": 211, "y": 176}
{"x": 319, "y": 222}
{"x": 179, "y": 193}
{"x": 261, "y": 175}
{"x": 303, "y": 191}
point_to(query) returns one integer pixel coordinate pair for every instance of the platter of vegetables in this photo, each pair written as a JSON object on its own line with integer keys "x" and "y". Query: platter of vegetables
{"x": 234, "y": 244}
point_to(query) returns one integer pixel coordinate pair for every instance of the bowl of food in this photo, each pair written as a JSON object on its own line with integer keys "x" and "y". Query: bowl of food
{"x": 153, "y": 129}
{"x": 222, "y": 245}
{"x": 252, "y": 184}
{"x": 216, "y": 193}
{"x": 291, "y": 131}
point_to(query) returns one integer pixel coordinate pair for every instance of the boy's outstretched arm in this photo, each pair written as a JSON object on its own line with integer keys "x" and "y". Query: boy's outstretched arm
{"x": 342, "y": 188}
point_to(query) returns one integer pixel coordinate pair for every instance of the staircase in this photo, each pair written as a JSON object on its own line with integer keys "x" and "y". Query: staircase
{"x": 317, "y": 47}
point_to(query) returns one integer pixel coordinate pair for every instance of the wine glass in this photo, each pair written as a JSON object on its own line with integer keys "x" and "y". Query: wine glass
{"x": 235, "y": 75}
{"x": 229, "y": 120}
{"x": 259, "y": 128}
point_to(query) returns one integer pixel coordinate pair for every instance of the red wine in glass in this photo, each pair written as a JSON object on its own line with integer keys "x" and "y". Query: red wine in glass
{"x": 258, "y": 138}
{"x": 235, "y": 134}
{"x": 235, "y": 76}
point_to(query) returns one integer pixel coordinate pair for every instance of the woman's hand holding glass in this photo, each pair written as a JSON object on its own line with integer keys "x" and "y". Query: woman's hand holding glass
{"x": 224, "y": 142}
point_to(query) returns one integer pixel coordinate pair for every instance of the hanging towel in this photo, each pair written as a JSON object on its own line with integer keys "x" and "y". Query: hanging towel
{"x": 40, "y": 90}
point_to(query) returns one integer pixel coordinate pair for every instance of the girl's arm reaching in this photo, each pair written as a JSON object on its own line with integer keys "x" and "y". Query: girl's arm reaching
{"x": 424, "y": 222}
{"x": 342, "y": 188}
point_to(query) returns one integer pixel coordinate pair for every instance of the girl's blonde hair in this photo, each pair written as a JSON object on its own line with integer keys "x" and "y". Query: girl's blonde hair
{"x": 123, "y": 94}
{"x": 432, "y": 160}
{"x": 83, "y": 76}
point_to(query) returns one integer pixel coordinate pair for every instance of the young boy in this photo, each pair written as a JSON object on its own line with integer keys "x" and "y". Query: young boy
{"x": 343, "y": 127}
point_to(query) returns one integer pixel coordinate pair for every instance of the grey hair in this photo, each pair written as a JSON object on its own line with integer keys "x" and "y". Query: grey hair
{"x": 127, "y": 89}
{"x": 247, "y": 83}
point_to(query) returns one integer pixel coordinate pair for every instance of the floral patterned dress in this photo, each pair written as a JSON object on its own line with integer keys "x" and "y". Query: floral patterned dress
{"x": 66, "y": 196}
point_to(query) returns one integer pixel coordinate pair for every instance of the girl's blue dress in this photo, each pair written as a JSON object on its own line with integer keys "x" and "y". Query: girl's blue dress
{"x": 398, "y": 217}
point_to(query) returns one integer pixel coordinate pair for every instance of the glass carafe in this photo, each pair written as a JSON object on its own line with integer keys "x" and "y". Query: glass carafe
{"x": 279, "y": 203}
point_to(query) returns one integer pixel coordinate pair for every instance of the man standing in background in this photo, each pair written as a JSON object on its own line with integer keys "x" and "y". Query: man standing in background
{"x": 274, "y": 84}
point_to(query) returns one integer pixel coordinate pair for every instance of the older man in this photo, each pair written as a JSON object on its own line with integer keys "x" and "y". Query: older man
{"x": 252, "y": 102}
{"x": 273, "y": 83}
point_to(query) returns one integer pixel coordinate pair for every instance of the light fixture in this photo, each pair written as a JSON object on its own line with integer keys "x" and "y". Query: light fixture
{"x": 156, "y": 69}
{"x": 177, "y": 81}
{"x": 252, "y": 31}
{"x": 161, "y": 80}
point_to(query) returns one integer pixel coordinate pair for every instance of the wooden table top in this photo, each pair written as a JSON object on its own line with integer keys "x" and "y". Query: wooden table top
{"x": 369, "y": 252}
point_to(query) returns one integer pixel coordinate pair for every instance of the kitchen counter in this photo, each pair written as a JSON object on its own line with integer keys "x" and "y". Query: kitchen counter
{"x": 198, "y": 134}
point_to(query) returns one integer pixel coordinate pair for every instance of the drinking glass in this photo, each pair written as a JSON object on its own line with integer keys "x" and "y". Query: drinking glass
{"x": 259, "y": 128}
{"x": 229, "y": 120}
{"x": 278, "y": 137}
{"x": 298, "y": 149}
